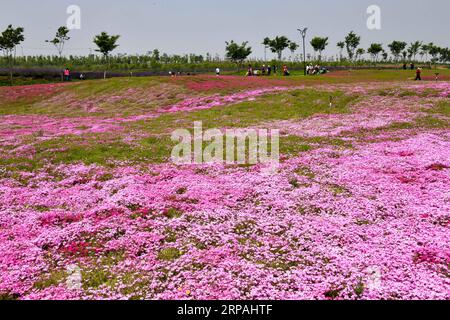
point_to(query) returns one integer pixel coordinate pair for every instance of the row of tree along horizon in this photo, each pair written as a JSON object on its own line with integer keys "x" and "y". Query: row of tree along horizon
{"x": 236, "y": 53}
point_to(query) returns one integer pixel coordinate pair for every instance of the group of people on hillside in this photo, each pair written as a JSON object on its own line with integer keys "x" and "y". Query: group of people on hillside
{"x": 67, "y": 76}
{"x": 266, "y": 70}
{"x": 413, "y": 67}
{"x": 315, "y": 70}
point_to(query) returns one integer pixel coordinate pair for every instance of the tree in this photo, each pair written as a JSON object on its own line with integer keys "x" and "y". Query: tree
{"x": 277, "y": 45}
{"x": 413, "y": 49}
{"x": 396, "y": 48}
{"x": 60, "y": 39}
{"x": 266, "y": 43}
{"x": 237, "y": 53}
{"x": 425, "y": 50}
{"x": 341, "y": 46}
{"x": 319, "y": 44}
{"x": 352, "y": 42}
{"x": 434, "y": 52}
{"x": 405, "y": 54}
{"x": 359, "y": 52}
{"x": 374, "y": 50}
{"x": 106, "y": 44}
{"x": 156, "y": 55}
{"x": 293, "y": 47}
{"x": 9, "y": 40}
{"x": 444, "y": 55}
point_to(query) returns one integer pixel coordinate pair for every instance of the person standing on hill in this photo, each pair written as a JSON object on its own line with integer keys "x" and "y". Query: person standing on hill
{"x": 67, "y": 74}
{"x": 217, "y": 71}
{"x": 249, "y": 71}
{"x": 418, "y": 74}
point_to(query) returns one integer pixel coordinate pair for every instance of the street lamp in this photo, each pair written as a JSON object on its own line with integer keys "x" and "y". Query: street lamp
{"x": 303, "y": 33}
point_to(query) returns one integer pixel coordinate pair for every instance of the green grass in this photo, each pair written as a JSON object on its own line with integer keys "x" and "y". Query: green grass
{"x": 52, "y": 279}
{"x": 364, "y": 75}
{"x": 152, "y": 92}
{"x": 169, "y": 254}
{"x": 442, "y": 108}
{"x": 438, "y": 117}
{"x": 106, "y": 149}
{"x": 293, "y": 105}
{"x": 22, "y": 81}
{"x": 94, "y": 149}
{"x": 111, "y": 97}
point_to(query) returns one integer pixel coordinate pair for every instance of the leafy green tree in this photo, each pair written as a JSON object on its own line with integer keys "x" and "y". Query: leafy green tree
{"x": 293, "y": 47}
{"x": 319, "y": 44}
{"x": 106, "y": 43}
{"x": 425, "y": 50}
{"x": 237, "y": 53}
{"x": 414, "y": 49}
{"x": 277, "y": 45}
{"x": 352, "y": 42}
{"x": 156, "y": 55}
{"x": 397, "y": 48}
{"x": 444, "y": 55}
{"x": 9, "y": 40}
{"x": 405, "y": 54}
{"x": 359, "y": 52}
{"x": 61, "y": 37}
{"x": 434, "y": 52}
{"x": 374, "y": 50}
{"x": 431, "y": 50}
{"x": 341, "y": 46}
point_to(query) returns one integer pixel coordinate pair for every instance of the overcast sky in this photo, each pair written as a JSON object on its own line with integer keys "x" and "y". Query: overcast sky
{"x": 201, "y": 26}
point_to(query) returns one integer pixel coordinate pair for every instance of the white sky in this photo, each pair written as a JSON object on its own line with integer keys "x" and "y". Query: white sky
{"x": 201, "y": 26}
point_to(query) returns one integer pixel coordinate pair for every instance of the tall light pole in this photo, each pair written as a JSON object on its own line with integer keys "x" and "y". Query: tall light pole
{"x": 303, "y": 33}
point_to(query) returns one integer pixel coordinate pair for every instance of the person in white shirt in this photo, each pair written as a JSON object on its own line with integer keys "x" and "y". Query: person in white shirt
{"x": 217, "y": 72}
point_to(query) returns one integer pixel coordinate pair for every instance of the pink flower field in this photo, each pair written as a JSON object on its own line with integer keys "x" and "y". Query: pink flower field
{"x": 359, "y": 207}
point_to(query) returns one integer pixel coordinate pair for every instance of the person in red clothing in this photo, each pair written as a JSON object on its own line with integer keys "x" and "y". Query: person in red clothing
{"x": 67, "y": 74}
{"x": 418, "y": 74}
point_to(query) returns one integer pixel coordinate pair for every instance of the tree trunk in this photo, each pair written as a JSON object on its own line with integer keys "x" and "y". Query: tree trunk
{"x": 10, "y": 71}
{"x": 108, "y": 66}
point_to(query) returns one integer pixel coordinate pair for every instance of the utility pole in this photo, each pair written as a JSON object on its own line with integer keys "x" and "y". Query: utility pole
{"x": 303, "y": 34}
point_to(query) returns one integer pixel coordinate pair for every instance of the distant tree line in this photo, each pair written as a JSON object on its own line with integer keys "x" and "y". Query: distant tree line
{"x": 236, "y": 53}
